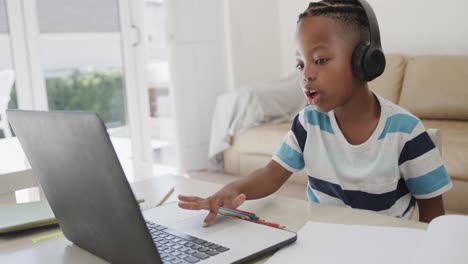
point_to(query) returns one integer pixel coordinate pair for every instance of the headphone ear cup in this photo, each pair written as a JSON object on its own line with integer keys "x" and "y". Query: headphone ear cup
{"x": 358, "y": 61}
{"x": 373, "y": 63}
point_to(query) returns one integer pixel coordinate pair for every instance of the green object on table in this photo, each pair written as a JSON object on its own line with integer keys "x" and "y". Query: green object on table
{"x": 24, "y": 216}
{"x": 47, "y": 237}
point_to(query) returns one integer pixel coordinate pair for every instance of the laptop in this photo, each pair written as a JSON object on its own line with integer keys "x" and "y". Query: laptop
{"x": 83, "y": 181}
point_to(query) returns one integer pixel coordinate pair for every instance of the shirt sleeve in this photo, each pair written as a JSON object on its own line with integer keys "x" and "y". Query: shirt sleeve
{"x": 290, "y": 153}
{"x": 422, "y": 167}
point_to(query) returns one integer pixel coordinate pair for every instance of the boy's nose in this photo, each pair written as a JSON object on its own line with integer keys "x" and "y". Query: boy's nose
{"x": 309, "y": 75}
{"x": 309, "y": 78}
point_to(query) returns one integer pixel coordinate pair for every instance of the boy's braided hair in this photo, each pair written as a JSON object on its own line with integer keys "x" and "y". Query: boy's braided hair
{"x": 347, "y": 12}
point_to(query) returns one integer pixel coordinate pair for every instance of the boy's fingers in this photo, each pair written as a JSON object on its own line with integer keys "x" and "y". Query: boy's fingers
{"x": 234, "y": 202}
{"x": 210, "y": 217}
{"x": 193, "y": 202}
{"x": 189, "y": 206}
{"x": 189, "y": 198}
{"x": 240, "y": 199}
{"x": 214, "y": 207}
{"x": 198, "y": 205}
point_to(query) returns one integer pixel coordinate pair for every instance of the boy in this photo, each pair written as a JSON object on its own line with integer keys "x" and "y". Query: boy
{"x": 358, "y": 149}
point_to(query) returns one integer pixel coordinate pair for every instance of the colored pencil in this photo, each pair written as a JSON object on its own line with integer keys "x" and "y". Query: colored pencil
{"x": 163, "y": 200}
{"x": 240, "y": 211}
{"x": 225, "y": 210}
{"x": 237, "y": 211}
{"x": 267, "y": 223}
{"x": 234, "y": 215}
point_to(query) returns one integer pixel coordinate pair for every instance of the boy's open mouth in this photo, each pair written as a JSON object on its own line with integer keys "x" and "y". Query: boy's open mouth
{"x": 312, "y": 93}
{"x": 312, "y": 96}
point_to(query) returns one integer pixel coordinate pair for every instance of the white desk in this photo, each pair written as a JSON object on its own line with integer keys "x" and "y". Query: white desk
{"x": 19, "y": 248}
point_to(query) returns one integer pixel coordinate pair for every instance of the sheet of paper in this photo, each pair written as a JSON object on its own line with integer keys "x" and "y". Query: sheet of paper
{"x": 338, "y": 243}
{"x": 446, "y": 241}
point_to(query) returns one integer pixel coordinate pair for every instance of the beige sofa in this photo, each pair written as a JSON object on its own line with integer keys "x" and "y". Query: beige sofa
{"x": 434, "y": 88}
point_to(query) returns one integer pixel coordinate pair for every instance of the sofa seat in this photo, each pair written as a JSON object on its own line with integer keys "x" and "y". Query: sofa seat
{"x": 254, "y": 148}
{"x": 454, "y": 146}
{"x": 455, "y": 157}
{"x": 258, "y": 140}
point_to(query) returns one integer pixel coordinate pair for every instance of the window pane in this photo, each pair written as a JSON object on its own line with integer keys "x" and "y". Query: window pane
{"x": 81, "y": 54}
{"x": 65, "y": 16}
{"x": 96, "y": 90}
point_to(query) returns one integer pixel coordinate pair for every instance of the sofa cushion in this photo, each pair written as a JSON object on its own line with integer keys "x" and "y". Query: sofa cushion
{"x": 454, "y": 146}
{"x": 435, "y": 87}
{"x": 455, "y": 199}
{"x": 231, "y": 159}
{"x": 388, "y": 85}
{"x": 264, "y": 139}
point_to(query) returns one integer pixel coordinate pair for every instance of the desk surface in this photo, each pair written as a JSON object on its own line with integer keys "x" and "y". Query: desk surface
{"x": 19, "y": 248}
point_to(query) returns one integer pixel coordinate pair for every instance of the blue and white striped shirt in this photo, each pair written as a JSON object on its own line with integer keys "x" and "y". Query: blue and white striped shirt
{"x": 397, "y": 164}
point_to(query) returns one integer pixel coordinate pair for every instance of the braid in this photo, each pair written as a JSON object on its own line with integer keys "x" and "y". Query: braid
{"x": 347, "y": 12}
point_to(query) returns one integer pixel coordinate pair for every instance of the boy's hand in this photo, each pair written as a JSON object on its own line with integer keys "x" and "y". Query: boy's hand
{"x": 222, "y": 198}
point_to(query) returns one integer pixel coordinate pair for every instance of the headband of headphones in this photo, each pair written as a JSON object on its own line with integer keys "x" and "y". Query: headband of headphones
{"x": 374, "y": 31}
{"x": 368, "y": 58}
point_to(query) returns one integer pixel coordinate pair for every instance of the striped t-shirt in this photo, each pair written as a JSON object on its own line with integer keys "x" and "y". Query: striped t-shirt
{"x": 397, "y": 164}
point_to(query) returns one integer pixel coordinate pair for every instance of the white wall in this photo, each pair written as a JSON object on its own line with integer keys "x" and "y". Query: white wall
{"x": 197, "y": 59}
{"x": 60, "y": 51}
{"x": 253, "y": 41}
{"x": 413, "y": 27}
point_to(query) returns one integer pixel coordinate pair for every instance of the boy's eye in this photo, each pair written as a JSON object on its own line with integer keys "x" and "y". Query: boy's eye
{"x": 299, "y": 66}
{"x": 321, "y": 61}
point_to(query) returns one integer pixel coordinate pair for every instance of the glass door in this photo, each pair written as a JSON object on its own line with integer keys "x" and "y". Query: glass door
{"x": 82, "y": 61}
{"x": 83, "y": 55}
{"x": 79, "y": 55}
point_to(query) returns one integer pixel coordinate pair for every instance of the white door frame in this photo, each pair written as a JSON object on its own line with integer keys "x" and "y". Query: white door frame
{"x": 137, "y": 99}
{"x": 24, "y": 31}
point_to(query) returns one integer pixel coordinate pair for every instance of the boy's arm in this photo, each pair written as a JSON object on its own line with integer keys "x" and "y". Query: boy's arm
{"x": 423, "y": 170}
{"x": 430, "y": 208}
{"x": 258, "y": 184}
{"x": 261, "y": 182}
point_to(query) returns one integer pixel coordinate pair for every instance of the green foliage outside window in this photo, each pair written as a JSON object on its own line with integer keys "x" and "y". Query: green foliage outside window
{"x": 96, "y": 91}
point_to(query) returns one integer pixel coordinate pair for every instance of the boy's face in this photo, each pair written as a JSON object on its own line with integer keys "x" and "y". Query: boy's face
{"x": 324, "y": 51}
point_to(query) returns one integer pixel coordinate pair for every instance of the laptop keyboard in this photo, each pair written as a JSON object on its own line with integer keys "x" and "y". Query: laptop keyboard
{"x": 178, "y": 248}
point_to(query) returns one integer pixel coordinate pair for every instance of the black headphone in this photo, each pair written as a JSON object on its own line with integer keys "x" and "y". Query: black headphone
{"x": 368, "y": 59}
